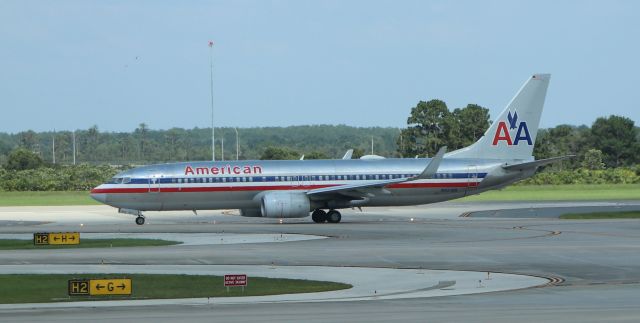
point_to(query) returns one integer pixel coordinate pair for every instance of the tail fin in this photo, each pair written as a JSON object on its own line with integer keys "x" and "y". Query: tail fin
{"x": 513, "y": 134}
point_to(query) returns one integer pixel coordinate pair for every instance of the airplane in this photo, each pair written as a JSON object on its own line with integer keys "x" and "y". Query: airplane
{"x": 297, "y": 188}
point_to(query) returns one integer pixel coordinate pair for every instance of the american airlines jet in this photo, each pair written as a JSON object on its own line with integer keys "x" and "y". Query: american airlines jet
{"x": 297, "y": 188}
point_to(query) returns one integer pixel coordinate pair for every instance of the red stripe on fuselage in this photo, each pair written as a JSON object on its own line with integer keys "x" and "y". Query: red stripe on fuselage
{"x": 263, "y": 188}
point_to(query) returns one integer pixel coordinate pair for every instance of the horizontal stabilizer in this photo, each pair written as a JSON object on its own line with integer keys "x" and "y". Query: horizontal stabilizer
{"x": 536, "y": 163}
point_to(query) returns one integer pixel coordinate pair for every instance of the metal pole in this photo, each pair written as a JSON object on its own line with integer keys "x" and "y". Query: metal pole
{"x": 222, "y": 145}
{"x": 73, "y": 135}
{"x": 237, "y": 144}
{"x": 401, "y": 145}
{"x": 54, "y": 146}
{"x": 371, "y": 145}
{"x": 213, "y": 136}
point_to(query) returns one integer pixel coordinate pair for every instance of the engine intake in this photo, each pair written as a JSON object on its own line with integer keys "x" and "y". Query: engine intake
{"x": 285, "y": 205}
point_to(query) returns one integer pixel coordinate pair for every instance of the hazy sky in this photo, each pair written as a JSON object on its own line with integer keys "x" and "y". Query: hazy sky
{"x": 115, "y": 64}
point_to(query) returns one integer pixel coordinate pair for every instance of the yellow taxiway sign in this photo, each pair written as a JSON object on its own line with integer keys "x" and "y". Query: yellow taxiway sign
{"x": 118, "y": 286}
{"x": 99, "y": 287}
{"x": 56, "y": 238}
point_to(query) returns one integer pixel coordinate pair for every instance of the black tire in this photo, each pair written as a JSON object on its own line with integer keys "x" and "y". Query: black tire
{"x": 319, "y": 216}
{"x": 334, "y": 216}
{"x": 140, "y": 220}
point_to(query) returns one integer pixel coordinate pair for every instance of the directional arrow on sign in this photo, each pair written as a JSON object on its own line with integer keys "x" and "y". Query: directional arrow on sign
{"x": 122, "y": 286}
{"x": 99, "y": 287}
{"x": 56, "y": 238}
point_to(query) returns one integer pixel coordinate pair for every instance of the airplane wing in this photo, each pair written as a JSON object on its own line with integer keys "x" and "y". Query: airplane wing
{"x": 536, "y": 163}
{"x": 371, "y": 189}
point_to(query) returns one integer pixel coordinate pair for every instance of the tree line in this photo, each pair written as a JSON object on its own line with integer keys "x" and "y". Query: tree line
{"x": 144, "y": 145}
{"x": 608, "y": 151}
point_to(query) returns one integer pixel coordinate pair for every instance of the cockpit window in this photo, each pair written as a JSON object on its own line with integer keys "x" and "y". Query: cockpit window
{"x": 115, "y": 180}
{"x": 126, "y": 180}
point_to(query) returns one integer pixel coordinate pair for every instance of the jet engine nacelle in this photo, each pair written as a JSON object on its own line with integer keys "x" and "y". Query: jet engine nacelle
{"x": 285, "y": 205}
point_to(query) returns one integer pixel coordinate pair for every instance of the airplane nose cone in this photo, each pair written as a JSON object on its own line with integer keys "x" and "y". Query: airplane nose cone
{"x": 100, "y": 197}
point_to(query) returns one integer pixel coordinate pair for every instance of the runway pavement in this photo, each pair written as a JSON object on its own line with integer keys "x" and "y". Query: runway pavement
{"x": 594, "y": 263}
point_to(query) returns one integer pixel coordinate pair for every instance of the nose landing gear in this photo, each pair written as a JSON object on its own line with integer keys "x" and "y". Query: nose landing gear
{"x": 140, "y": 220}
{"x": 137, "y": 213}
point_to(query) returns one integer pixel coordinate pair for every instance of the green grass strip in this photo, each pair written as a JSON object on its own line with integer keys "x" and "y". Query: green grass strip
{"x": 53, "y": 288}
{"x": 577, "y": 192}
{"x": 512, "y": 193}
{"x": 602, "y": 215}
{"x": 53, "y": 198}
{"x": 7, "y": 244}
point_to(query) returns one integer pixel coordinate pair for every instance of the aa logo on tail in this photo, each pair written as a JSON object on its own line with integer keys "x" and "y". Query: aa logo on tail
{"x": 504, "y": 133}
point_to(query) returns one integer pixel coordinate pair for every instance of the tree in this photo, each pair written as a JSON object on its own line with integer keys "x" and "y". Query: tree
{"x": 279, "y": 153}
{"x": 29, "y": 140}
{"x": 316, "y": 155}
{"x": 616, "y": 137}
{"x": 562, "y": 140}
{"x": 427, "y": 127}
{"x": 357, "y": 153}
{"x": 22, "y": 159}
{"x": 593, "y": 160}
{"x": 473, "y": 121}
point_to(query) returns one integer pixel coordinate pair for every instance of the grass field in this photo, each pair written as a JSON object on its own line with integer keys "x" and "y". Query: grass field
{"x": 7, "y": 244}
{"x": 512, "y": 193}
{"x": 602, "y": 215}
{"x": 561, "y": 192}
{"x": 53, "y": 288}
{"x": 46, "y": 198}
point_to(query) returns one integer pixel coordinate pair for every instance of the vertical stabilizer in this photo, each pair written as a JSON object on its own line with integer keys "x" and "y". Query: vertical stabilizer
{"x": 513, "y": 134}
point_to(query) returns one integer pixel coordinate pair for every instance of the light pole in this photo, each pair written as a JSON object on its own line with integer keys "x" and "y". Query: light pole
{"x": 222, "y": 145}
{"x": 237, "y": 144}
{"x": 371, "y": 145}
{"x": 53, "y": 146}
{"x": 401, "y": 144}
{"x": 73, "y": 135}
{"x": 213, "y": 136}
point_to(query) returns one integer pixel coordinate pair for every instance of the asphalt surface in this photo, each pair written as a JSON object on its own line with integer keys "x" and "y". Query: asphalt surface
{"x": 595, "y": 264}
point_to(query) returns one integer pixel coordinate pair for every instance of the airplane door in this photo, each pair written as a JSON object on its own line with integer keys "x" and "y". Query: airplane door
{"x": 154, "y": 184}
{"x": 472, "y": 179}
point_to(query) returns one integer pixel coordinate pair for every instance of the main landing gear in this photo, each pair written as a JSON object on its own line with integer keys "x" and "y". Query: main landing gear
{"x": 320, "y": 216}
{"x": 140, "y": 220}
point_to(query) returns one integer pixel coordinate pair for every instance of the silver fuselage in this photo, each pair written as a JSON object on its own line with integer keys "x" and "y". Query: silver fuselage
{"x": 241, "y": 184}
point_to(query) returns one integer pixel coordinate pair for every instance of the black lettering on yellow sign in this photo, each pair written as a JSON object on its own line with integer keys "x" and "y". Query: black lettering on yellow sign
{"x": 78, "y": 287}
{"x": 98, "y": 287}
{"x": 56, "y": 238}
{"x": 113, "y": 286}
{"x": 64, "y": 238}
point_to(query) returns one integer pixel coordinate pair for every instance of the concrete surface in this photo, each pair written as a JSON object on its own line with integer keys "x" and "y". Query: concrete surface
{"x": 595, "y": 263}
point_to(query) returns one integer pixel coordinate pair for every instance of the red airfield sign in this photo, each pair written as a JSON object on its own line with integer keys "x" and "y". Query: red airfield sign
{"x": 235, "y": 280}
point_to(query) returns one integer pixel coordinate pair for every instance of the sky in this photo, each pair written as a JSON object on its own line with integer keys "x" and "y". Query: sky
{"x": 73, "y": 64}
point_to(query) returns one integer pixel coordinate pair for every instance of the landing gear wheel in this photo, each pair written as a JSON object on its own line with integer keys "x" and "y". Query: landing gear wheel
{"x": 140, "y": 220}
{"x": 334, "y": 216}
{"x": 319, "y": 216}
